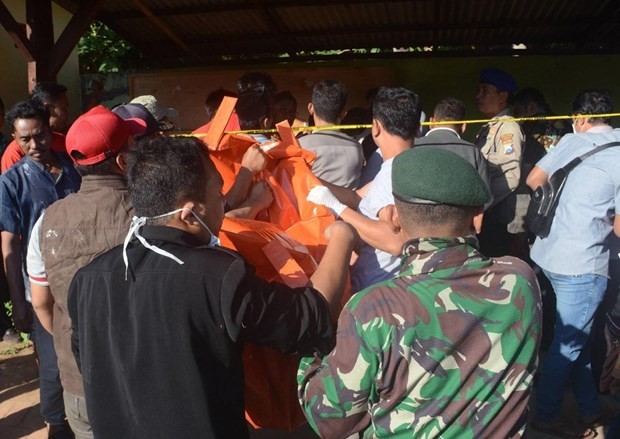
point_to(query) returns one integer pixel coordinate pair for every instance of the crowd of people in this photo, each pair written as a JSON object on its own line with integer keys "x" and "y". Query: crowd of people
{"x": 112, "y": 262}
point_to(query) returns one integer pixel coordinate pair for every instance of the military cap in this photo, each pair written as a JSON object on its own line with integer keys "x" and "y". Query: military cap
{"x": 500, "y": 79}
{"x": 437, "y": 176}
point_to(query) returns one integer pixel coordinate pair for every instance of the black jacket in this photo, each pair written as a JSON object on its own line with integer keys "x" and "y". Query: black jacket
{"x": 159, "y": 352}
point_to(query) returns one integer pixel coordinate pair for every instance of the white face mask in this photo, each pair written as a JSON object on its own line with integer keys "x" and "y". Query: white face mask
{"x": 573, "y": 126}
{"x": 138, "y": 222}
{"x": 214, "y": 241}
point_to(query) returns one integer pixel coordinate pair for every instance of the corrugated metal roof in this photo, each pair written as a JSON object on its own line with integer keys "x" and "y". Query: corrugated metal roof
{"x": 213, "y": 30}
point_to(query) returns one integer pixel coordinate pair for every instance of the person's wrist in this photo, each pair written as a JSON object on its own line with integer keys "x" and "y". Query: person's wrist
{"x": 337, "y": 207}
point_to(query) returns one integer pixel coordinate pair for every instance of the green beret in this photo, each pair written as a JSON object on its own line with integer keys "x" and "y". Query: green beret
{"x": 437, "y": 176}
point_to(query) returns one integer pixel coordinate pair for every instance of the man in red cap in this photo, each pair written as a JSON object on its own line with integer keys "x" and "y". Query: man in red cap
{"x": 40, "y": 178}
{"x": 75, "y": 230}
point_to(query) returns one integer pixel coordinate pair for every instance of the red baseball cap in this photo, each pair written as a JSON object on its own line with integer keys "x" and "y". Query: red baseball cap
{"x": 100, "y": 134}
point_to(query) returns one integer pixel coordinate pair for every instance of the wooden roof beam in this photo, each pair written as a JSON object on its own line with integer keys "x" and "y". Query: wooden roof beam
{"x": 236, "y": 7}
{"x": 72, "y": 33}
{"x": 153, "y": 18}
{"x": 17, "y": 32}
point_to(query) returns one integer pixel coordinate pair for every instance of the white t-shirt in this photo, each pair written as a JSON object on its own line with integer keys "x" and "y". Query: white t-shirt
{"x": 34, "y": 259}
{"x": 373, "y": 265}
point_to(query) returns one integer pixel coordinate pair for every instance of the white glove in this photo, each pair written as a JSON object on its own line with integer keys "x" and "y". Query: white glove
{"x": 323, "y": 196}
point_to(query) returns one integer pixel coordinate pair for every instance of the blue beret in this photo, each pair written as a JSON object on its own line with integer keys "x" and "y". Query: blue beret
{"x": 500, "y": 79}
{"x": 437, "y": 176}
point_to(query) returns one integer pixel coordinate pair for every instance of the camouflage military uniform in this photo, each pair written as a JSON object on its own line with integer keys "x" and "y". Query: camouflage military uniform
{"x": 446, "y": 349}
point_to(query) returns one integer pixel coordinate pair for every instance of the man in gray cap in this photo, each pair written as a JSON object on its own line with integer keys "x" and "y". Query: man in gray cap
{"x": 448, "y": 347}
{"x": 500, "y": 142}
{"x": 160, "y": 113}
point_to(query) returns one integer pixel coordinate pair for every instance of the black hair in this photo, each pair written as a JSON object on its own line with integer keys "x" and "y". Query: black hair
{"x": 329, "y": 98}
{"x": 356, "y": 116}
{"x": 594, "y": 102}
{"x": 449, "y": 109}
{"x": 30, "y": 109}
{"x": 398, "y": 110}
{"x": 48, "y": 92}
{"x": 256, "y": 83}
{"x": 428, "y": 215}
{"x": 255, "y": 91}
{"x": 164, "y": 172}
{"x": 285, "y": 96}
{"x": 214, "y": 100}
{"x": 252, "y": 111}
{"x": 105, "y": 167}
{"x": 527, "y": 96}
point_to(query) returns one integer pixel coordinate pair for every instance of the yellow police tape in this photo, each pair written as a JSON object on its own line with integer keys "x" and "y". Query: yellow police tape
{"x": 450, "y": 122}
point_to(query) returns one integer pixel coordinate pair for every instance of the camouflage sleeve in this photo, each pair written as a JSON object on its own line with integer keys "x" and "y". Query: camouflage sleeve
{"x": 335, "y": 391}
{"x": 507, "y": 160}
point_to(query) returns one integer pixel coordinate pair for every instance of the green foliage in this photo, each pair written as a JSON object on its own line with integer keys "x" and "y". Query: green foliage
{"x": 101, "y": 50}
{"x": 25, "y": 337}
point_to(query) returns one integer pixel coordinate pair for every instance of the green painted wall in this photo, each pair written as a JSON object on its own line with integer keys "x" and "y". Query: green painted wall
{"x": 560, "y": 78}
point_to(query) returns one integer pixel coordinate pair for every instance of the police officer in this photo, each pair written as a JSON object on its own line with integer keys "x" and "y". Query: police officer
{"x": 501, "y": 143}
{"x": 448, "y": 347}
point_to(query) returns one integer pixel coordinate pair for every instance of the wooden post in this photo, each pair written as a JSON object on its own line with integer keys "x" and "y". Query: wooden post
{"x": 40, "y": 32}
{"x": 35, "y": 39}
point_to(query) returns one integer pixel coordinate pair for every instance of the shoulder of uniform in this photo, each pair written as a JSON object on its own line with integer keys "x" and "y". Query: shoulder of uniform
{"x": 517, "y": 266}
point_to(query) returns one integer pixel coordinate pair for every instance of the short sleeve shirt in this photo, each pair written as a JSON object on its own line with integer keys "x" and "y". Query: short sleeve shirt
{"x": 578, "y": 242}
{"x": 26, "y": 190}
{"x": 34, "y": 259}
{"x": 374, "y": 265}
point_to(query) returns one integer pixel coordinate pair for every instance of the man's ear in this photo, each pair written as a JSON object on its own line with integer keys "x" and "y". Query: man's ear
{"x": 376, "y": 128}
{"x": 504, "y": 95}
{"x": 121, "y": 161}
{"x": 463, "y": 128}
{"x": 311, "y": 109}
{"x": 393, "y": 218}
{"x": 477, "y": 221}
{"x": 186, "y": 214}
{"x": 581, "y": 122}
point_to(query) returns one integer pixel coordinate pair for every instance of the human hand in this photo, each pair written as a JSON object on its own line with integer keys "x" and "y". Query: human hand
{"x": 324, "y": 197}
{"x": 260, "y": 195}
{"x": 254, "y": 159}
{"x": 22, "y": 316}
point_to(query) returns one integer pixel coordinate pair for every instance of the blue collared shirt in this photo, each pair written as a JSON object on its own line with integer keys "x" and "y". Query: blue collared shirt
{"x": 579, "y": 240}
{"x": 26, "y": 190}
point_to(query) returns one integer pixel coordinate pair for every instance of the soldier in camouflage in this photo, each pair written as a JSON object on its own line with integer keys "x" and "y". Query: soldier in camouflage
{"x": 446, "y": 349}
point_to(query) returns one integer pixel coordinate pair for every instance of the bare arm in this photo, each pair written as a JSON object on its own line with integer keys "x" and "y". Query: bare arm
{"x": 346, "y": 196}
{"x": 12, "y": 259}
{"x": 617, "y": 225}
{"x": 260, "y": 198}
{"x": 376, "y": 233}
{"x": 536, "y": 178}
{"x": 43, "y": 304}
{"x": 331, "y": 275}
{"x": 253, "y": 162}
